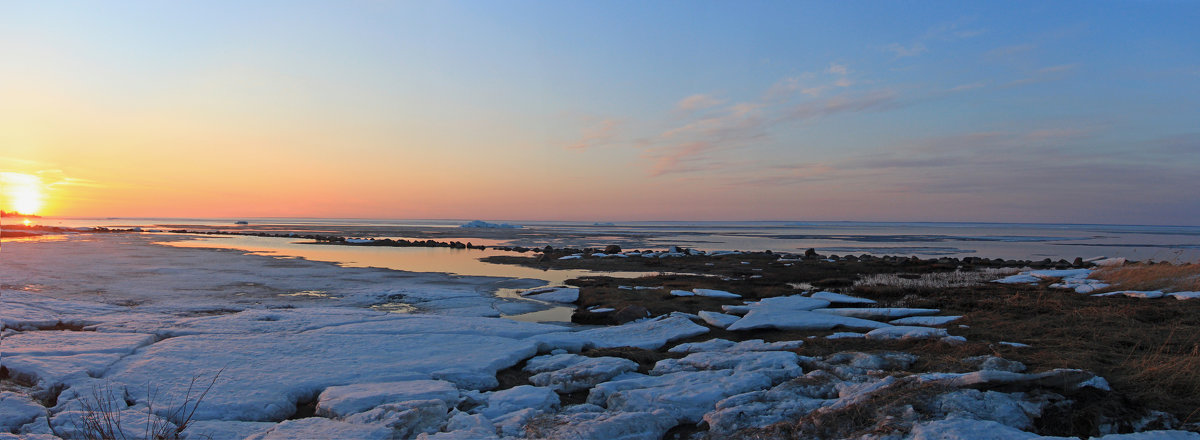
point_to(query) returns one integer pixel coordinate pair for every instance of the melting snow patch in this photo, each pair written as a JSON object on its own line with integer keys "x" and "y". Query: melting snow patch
{"x": 1134, "y": 294}
{"x": 1184, "y": 295}
{"x": 719, "y": 320}
{"x": 340, "y": 401}
{"x": 906, "y": 332}
{"x": 925, "y": 320}
{"x": 17, "y": 410}
{"x": 715, "y": 293}
{"x": 838, "y": 298}
{"x": 785, "y": 319}
{"x": 648, "y": 334}
{"x": 553, "y": 294}
{"x": 317, "y": 427}
{"x": 879, "y": 312}
{"x": 968, "y": 429}
{"x": 517, "y": 398}
{"x": 569, "y": 373}
{"x": 845, "y": 335}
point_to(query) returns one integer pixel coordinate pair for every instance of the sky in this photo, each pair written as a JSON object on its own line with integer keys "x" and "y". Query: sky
{"x": 1071, "y": 112}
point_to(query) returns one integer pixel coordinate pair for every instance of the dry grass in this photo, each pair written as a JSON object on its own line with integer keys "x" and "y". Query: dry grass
{"x": 1152, "y": 276}
{"x": 1148, "y": 350}
{"x": 935, "y": 280}
{"x": 102, "y": 414}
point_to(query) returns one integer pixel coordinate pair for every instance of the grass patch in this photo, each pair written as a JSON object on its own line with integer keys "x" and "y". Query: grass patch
{"x": 1148, "y": 350}
{"x": 1152, "y": 276}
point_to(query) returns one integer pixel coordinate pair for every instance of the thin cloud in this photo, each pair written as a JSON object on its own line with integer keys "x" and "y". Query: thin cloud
{"x": 838, "y": 69}
{"x": 599, "y": 134}
{"x": 697, "y": 102}
{"x": 1045, "y": 74}
{"x": 902, "y": 51}
{"x": 871, "y": 101}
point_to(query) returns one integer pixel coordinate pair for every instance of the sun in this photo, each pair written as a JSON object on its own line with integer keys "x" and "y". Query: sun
{"x": 23, "y": 192}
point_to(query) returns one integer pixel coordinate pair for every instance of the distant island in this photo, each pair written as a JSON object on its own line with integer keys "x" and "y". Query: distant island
{"x": 17, "y": 214}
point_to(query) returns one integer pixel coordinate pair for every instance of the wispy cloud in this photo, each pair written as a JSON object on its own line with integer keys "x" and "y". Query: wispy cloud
{"x": 902, "y": 51}
{"x": 600, "y": 134}
{"x": 838, "y": 69}
{"x": 940, "y": 33}
{"x": 875, "y": 100}
{"x": 697, "y": 102}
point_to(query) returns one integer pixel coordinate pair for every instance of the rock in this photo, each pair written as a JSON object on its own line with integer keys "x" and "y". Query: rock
{"x": 630, "y": 313}
{"x": 612, "y": 249}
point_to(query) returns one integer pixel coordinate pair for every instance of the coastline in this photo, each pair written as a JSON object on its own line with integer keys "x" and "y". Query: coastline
{"x": 319, "y": 311}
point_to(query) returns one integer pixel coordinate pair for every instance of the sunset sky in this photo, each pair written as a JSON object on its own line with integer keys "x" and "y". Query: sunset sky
{"x": 1084, "y": 112}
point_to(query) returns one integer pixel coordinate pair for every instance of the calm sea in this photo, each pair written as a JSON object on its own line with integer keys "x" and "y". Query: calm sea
{"x": 992, "y": 240}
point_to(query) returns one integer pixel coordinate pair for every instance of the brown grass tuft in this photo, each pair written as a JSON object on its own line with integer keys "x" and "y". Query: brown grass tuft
{"x": 1152, "y": 276}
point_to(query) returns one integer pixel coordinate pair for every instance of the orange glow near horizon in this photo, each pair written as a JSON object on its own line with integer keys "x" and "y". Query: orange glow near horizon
{"x": 23, "y": 193}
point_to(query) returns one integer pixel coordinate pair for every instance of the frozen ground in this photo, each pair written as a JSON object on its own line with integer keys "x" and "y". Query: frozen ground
{"x": 293, "y": 350}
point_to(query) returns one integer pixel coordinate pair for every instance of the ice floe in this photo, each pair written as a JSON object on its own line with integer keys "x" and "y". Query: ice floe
{"x": 649, "y": 334}
{"x": 341, "y": 401}
{"x": 719, "y": 320}
{"x": 568, "y": 373}
{"x": 553, "y": 294}
{"x": 796, "y": 313}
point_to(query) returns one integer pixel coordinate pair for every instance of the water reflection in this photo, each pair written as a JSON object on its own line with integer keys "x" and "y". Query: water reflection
{"x": 413, "y": 259}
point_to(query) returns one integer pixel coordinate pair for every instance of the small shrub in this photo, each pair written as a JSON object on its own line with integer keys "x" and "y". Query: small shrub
{"x": 101, "y": 417}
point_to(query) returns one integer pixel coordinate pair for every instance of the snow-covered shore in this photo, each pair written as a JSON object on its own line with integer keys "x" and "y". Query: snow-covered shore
{"x": 116, "y": 312}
